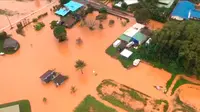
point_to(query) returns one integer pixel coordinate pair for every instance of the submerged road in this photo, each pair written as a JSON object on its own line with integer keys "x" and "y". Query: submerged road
{"x": 98, "y": 5}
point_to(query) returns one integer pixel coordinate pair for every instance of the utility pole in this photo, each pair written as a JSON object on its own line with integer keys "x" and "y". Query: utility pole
{"x": 9, "y": 22}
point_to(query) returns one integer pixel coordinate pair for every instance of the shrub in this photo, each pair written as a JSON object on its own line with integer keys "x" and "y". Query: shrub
{"x": 44, "y": 99}
{"x": 60, "y": 33}
{"x": 90, "y": 9}
{"x": 53, "y": 24}
{"x": 39, "y": 26}
{"x": 124, "y": 6}
{"x": 102, "y": 10}
{"x": 111, "y": 22}
{"x": 42, "y": 15}
{"x": 19, "y": 25}
{"x": 20, "y": 31}
{"x": 3, "y": 35}
{"x": 34, "y": 20}
{"x": 101, "y": 17}
{"x": 79, "y": 41}
{"x": 101, "y": 26}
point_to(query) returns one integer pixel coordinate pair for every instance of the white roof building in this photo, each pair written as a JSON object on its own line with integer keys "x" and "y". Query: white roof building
{"x": 134, "y": 29}
{"x": 128, "y": 2}
{"x": 126, "y": 53}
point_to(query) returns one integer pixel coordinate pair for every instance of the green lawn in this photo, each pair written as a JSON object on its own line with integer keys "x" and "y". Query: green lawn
{"x": 169, "y": 82}
{"x": 24, "y": 105}
{"x": 181, "y": 82}
{"x": 91, "y": 103}
{"x": 111, "y": 51}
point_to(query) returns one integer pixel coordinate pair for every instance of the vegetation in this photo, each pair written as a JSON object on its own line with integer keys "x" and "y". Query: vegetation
{"x": 169, "y": 82}
{"x": 39, "y": 26}
{"x": 24, "y": 105}
{"x": 62, "y": 2}
{"x": 60, "y": 33}
{"x": 34, "y": 20}
{"x": 166, "y": 104}
{"x": 185, "y": 107}
{"x": 179, "y": 54}
{"x": 181, "y": 82}
{"x": 123, "y": 23}
{"x": 111, "y": 22}
{"x": 113, "y": 100}
{"x": 111, "y": 51}
{"x": 80, "y": 65}
{"x": 3, "y": 36}
{"x": 91, "y": 24}
{"x": 103, "y": 10}
{"x": 73, "y": 89}
{"x": 142, "y": 15}
{"x": 100, "y": 26}
{"x": 90, "y": 103}
{"x": 79, "y": 41}
{"x": 44, "y": 99}
{"x": 42, "y": 15}
{"x": 53, "y": 24}
{"x": 90, "y": 9}
{"x": 101, "y": 16}
{"x": 124, "y": 6}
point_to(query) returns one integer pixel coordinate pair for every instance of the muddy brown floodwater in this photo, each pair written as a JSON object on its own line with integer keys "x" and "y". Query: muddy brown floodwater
{"x": 40, "y": 51}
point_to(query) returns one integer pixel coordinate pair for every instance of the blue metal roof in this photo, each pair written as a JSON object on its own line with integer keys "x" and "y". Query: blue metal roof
{"x": 62, "y": 12}
{"x": 195, "y": 14}
{"x": 182, "y": 9}
{"x": 73, "y": 6}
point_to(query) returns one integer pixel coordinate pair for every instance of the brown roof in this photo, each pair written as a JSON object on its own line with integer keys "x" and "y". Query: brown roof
{"x": 69, "y": 20}
{"x": 10, "y": 43}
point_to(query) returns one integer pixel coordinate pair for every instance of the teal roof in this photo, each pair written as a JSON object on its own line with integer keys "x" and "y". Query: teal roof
{"x": 62, "y": 12}
{"x": 73, "y": 6}
{"x": 125, "y": 38}
{"x": 140, "y": 37}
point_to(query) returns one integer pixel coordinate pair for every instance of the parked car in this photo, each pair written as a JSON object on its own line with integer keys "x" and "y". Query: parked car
{"x": 136, "y": 62}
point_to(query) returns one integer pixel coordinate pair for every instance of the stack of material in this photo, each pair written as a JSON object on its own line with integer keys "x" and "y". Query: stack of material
{"x": 126, "y": 53}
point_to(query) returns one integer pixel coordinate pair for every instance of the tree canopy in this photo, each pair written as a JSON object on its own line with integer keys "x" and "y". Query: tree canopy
{"x": 62, "y": 2}
{"x": 142, "y": 15}
{"x": 60, "y": 33}
{"x": 177, "y": 46}
{"x": 80, "y": 65}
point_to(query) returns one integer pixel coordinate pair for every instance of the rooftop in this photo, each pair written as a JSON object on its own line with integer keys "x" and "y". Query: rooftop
{"x": 47, "y": 74}
{"x": 59, "y": 79}
{"x": 73, "y": 6}
{"x": 10, "y": 43}
{"x": 186, "y": 10}
{"x": 62, "y": 12}
{"x": 140, "y": 37}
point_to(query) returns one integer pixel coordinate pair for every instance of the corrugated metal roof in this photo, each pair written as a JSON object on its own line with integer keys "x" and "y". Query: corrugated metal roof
{"x": 125, "y": 38}
{"x": 140, "y": 37}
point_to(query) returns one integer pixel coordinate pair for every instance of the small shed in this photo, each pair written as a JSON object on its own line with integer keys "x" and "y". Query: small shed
{"x": 48, "y": 76}
{"x": 59, "y": 79}
{"x": 126, "y": 53}
{"x": 10, "y": 44}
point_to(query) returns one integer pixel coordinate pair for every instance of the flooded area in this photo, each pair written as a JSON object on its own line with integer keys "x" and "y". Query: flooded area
{"x": 18, "y": 9}
{"x": 40, "y": 51}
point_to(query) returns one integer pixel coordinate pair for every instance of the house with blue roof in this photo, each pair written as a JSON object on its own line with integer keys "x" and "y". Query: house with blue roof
{"x": 185, "y": 10}
{"x": 73, "y": 6}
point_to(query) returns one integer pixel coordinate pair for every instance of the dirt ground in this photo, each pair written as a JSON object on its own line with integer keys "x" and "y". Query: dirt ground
{"x": 21, "y": 71}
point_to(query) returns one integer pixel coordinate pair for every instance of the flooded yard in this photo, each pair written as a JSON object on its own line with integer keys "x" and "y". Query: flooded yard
{"x": 40, "y": 51}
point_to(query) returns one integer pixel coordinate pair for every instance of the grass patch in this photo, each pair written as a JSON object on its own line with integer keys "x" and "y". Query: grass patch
{"x": 90, "y": 103}
{"x": 181, "y": 82}
{"x": 24, "y": 105}
{"x": 111, "y": 51}
{"x": 106, "y": 83}
{"x": 166, "y": 104}
{"x": 1, "y": 45}
{"x": 185, "y": 107}
{"x": 134, "y": 95}
{"x": 169, "y": 82}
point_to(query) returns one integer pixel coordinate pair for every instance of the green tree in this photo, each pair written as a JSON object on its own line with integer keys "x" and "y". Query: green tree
{"x": 3, "y": 35}
{"x": 53, "y": 24}
{"x": 124, "y": 6}
{"x": 80, "y": 65}
{"x": 102, "y": 10}
{"x": 142, "y": 15}
{"x": 62, "y": 2}
{"x": 60, "y": 33}
{"x": 111, "y": 22}
{"x": 90, "y": 9}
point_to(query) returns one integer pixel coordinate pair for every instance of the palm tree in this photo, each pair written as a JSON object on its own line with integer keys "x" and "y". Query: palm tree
{"x": 80, "y": 65}
{"x": 73, "y": 89}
